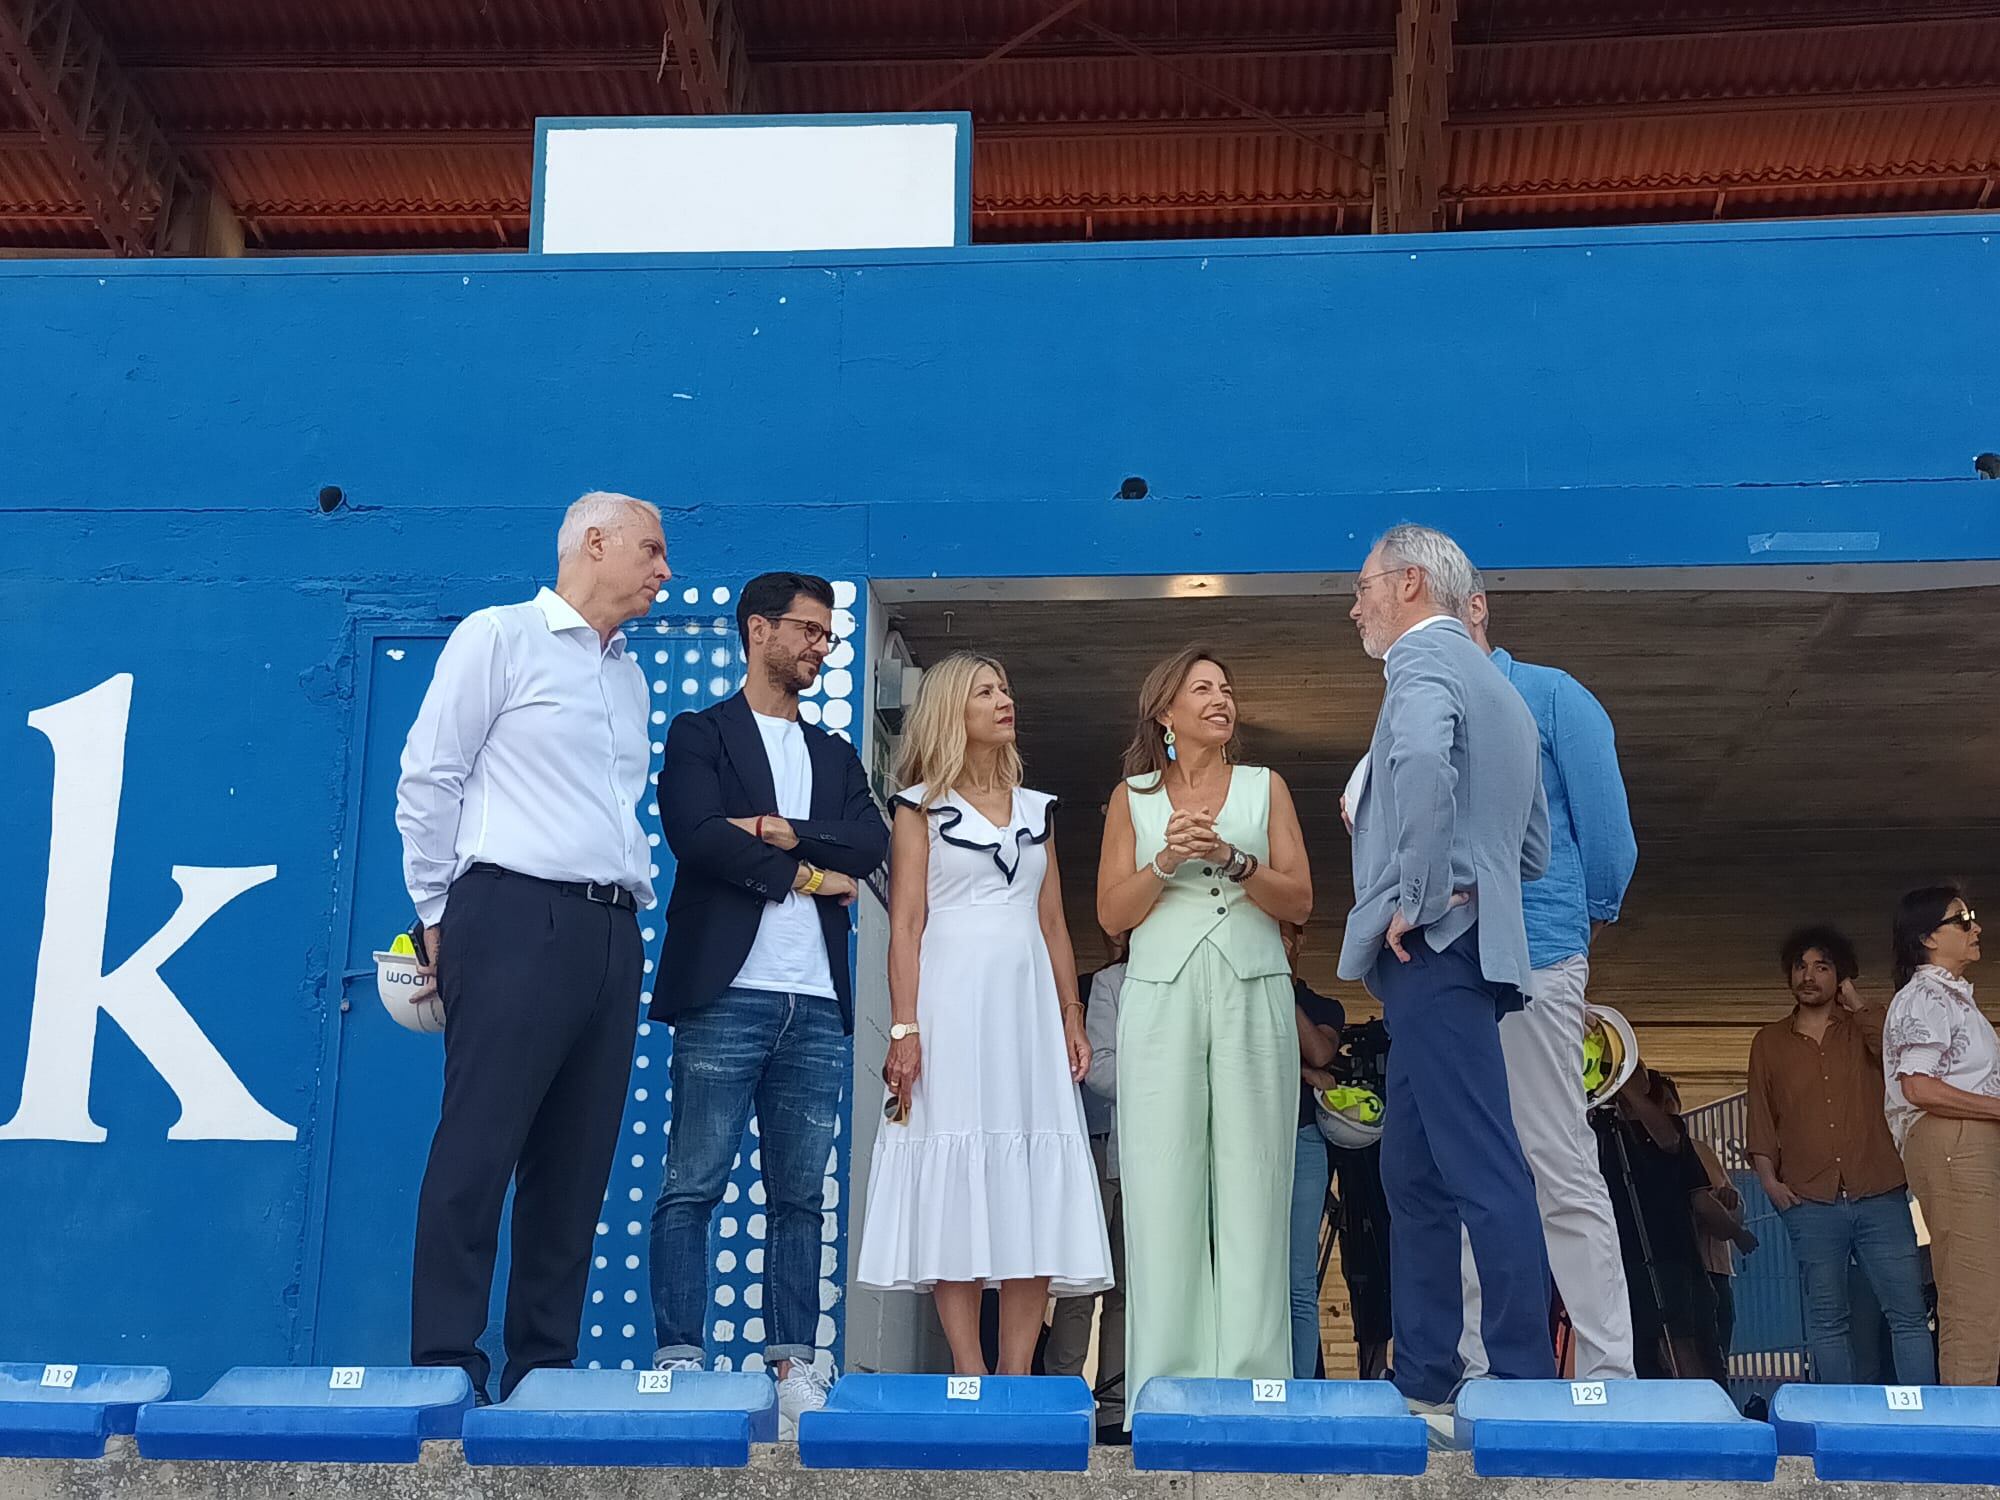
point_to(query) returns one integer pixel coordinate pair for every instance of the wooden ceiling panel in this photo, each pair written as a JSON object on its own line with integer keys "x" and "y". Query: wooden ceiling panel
{"x": 1789, "y": 758}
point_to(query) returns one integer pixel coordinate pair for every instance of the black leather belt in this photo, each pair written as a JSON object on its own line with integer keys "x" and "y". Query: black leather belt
{"x": 603, "y": 895}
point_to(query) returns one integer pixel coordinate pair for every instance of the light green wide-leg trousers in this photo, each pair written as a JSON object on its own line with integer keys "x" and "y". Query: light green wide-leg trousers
{"x": 1208, "y": 1090}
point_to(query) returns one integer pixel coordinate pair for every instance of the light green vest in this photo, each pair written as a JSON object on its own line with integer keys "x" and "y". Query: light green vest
{"x": 1198, "y": 903}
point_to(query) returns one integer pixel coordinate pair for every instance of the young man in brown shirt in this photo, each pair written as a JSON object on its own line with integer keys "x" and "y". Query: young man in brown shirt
{"x": 1824, "y": 1154}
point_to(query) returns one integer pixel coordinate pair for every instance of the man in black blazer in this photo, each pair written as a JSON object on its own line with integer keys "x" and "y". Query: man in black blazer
{"x": 772, "y": 828}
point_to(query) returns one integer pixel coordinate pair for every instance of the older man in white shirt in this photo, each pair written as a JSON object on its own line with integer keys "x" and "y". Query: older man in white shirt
{"x": 524, "y": 856}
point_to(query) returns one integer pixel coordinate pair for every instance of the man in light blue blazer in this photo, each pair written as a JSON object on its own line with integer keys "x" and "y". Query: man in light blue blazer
{"x": 1443, "y": 839}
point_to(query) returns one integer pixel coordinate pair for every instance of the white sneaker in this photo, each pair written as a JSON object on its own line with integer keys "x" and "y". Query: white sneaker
{"x": 804, "y": 1389}
{"x": 1441, "y": 1417}
{"x": 676, "y": 1366}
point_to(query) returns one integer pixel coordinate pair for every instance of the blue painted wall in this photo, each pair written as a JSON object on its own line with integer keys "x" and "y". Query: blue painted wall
{"x": 1728, "y": 396}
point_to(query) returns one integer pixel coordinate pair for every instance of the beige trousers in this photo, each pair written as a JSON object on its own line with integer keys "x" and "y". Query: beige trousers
{"x": 1954, "y": 1168}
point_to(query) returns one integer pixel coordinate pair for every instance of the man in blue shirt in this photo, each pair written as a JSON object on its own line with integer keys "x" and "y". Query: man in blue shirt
{"x": 1591, "y": 855}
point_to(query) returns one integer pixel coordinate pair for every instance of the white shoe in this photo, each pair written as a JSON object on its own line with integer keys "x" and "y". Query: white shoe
{"x": 676, "y": 1366}
{"x": 802, "y": 1390}
{"x": 1441, "y": 1417}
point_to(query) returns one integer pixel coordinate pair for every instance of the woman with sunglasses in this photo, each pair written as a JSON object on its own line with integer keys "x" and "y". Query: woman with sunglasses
{"x": 982, "y": 1172}
{"x": 1202, "y": 860}
{"x": 1942, "y": 1065}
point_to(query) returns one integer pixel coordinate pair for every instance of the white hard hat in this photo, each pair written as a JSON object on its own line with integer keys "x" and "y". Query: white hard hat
{"x": 1610, "y": 1054}
{"x": 400, "y": 983}
{"x": 1356, "y": 1124}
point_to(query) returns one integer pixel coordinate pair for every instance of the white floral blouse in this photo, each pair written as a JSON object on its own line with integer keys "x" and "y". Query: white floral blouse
{"x": 1935, "y": 1028}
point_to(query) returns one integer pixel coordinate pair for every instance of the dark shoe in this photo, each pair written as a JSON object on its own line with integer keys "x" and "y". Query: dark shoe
{"x": 1114, "y": 1436}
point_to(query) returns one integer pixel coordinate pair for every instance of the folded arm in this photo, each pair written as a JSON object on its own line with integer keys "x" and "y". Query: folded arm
{"x": 856, "y": 842}
{"x": 1946, "y": 1100}
{"x": 700, "y": 834}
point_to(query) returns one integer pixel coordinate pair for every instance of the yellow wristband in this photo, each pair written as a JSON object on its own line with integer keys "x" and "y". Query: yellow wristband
{"x": 813, "y": 881}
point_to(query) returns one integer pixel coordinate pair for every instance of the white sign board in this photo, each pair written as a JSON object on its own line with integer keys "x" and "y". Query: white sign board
{"x": 722, "y": 183}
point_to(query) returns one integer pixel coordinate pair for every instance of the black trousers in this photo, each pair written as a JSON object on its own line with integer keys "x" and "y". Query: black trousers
{"x": 541, "y": 996}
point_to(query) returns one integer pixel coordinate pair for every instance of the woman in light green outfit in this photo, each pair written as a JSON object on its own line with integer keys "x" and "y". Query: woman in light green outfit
{"x": 1202, "y": 859}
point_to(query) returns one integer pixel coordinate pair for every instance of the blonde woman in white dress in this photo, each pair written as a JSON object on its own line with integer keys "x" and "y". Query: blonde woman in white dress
{"x": 982, "y": 1171}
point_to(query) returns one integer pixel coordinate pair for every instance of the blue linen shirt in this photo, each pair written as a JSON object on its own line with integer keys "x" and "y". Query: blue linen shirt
{"x": 1592, "y": 850}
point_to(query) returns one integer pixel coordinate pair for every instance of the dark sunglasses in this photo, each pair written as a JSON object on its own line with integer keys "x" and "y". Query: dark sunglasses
{"x": 1961, "y": 919}
{"x": 895, "y": 1111}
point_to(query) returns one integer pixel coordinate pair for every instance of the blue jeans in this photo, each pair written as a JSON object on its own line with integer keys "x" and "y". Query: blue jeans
{"x": 787, "y": 1055}
{"x": 1878, "y": 1233}
{"x": 1310, "y": 1176}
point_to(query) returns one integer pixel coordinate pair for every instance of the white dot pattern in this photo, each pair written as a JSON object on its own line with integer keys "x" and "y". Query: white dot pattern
{"x": 736, "y": 1241}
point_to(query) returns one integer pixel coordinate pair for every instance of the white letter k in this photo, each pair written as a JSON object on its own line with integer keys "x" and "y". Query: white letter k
{"x": 71, "y": 987}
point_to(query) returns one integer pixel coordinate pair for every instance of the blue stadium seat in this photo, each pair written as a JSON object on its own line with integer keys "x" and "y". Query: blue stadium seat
{"x": 381, "y": 1414}
{"x": 941, "y": 1422}
{"x": 1277, "y": 1427}
{"x": 67, "y": 1411}
{"x": 1611, "y": 1429}
{"x": 637, "y": 1418}
{"x": 1913, "y": 1434}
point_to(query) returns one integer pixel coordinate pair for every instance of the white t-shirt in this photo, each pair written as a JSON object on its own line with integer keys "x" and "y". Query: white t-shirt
{"x": 790, "y": 952}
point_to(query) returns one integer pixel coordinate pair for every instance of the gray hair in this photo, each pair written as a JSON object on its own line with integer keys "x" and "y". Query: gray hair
{"x": 1452, "y": 578}
{"x": 603, "y": 509}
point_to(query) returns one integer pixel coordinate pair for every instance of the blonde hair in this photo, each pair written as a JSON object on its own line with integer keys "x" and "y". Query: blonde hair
{"x": 933, "y": 749}
{"x": 1147, "y": 754}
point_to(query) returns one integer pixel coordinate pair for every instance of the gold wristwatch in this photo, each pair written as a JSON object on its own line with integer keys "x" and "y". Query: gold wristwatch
{"x": 902, "y": 1029}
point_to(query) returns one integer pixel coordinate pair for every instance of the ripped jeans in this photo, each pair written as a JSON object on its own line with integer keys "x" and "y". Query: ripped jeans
{"x": 787, "y": 1056}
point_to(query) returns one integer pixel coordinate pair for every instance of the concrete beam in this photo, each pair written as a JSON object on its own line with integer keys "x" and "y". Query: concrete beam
{"x": 444, "y": 1475}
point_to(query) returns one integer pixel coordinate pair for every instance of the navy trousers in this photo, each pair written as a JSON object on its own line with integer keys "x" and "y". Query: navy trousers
{"x": 1450, "y": 1157}
{"x": 541, "y": 997}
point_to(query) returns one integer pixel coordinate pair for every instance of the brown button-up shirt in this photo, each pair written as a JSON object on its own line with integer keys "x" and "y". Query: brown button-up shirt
{"x": 1816, "y": 1108}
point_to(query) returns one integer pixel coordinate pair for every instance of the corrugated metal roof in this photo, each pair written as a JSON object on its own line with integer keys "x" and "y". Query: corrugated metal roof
{"x": 378, "y": 123}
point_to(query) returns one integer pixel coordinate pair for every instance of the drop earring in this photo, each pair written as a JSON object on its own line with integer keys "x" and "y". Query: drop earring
{"x": 1171, "y": 755}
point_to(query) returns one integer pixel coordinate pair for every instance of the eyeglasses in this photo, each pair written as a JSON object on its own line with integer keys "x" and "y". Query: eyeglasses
{"x": 1961, "y": 919}
{"x": 814, "y": 631}
{"x": 1378, "y": 573}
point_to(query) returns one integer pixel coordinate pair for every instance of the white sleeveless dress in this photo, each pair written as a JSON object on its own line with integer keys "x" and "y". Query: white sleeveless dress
{"x": 991, "y": 1179}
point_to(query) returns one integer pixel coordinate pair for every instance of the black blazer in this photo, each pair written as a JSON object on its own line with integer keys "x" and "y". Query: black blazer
{"x": 716, "y": 769}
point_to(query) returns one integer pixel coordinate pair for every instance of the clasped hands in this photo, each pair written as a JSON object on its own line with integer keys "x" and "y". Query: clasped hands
{"x": 1191, "y": 835}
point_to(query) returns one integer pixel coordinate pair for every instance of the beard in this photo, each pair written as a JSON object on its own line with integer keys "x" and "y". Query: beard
{"x": 793, "y": 673}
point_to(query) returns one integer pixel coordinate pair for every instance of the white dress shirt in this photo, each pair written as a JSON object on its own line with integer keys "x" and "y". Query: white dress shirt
{"x": 530, "y": 752}
{"x": 789, "y": 952}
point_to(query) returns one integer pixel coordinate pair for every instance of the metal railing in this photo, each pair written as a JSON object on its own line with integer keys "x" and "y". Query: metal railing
{"x": 1768, "y": 1348}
